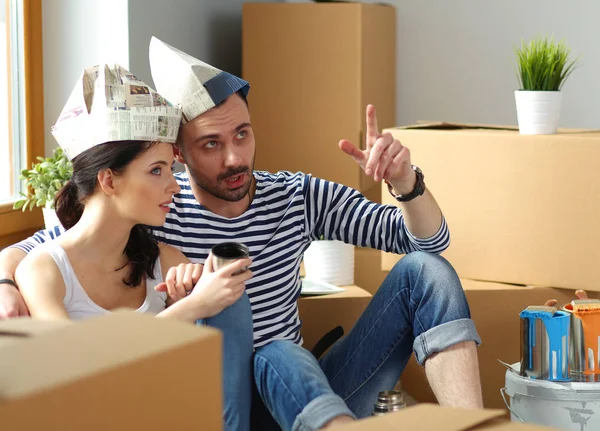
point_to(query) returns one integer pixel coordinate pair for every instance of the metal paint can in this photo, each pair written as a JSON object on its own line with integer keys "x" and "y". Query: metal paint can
{"x": 387, "y": 402}
{"x": 570, "y": 406}
{"x": 584, "y": 348}
{"x": 545, "y": 343}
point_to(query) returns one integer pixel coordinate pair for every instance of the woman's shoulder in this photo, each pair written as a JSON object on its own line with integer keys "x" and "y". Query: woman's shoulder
{"x": 39, "y": 270}
{"x": 41, "y": 257}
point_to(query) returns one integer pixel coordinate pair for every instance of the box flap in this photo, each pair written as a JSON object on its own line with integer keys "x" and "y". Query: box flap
{"x": 449, "y": 126}
{"x": 425, "y": 417}
{"x": 88, "y": 348}
{"x": 443, "y": 125}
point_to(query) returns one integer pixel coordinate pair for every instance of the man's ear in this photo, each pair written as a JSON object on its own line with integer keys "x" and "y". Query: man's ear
{"x": 178, "y": 155}
{"x": 106, "y": 181}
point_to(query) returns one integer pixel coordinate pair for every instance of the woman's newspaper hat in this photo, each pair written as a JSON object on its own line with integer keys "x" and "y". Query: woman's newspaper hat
{"x": 109, "y": 103}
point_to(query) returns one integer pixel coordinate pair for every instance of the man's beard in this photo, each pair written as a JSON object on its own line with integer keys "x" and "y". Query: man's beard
{"x": 225, "y": 193}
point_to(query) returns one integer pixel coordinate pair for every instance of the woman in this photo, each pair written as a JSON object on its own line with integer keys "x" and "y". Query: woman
{"x": 108, "y": 258}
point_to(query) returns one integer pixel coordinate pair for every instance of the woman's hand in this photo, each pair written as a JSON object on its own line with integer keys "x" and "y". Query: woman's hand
{"x": 217, "y": 290}
{"x": 180, "y": 280}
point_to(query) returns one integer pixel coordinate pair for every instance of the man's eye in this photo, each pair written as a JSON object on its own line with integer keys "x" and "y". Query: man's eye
{"x": 156, "y": 171}
{"x": 242, "y": 134}
{"x": 211, "y": 144}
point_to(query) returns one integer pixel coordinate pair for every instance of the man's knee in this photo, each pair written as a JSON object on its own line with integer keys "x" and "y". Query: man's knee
{"x": 429, "y": 276}
{"x": 427, "y": 264}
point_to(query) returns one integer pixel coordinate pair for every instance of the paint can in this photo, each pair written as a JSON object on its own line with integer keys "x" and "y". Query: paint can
{"x": 544, "y": 343}
{"x": 387, "y": 402}
{"x": 569, "y": 406}
{"x": 584, "y": 349}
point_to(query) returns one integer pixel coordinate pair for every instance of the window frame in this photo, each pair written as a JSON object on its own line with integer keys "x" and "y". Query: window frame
{"x": 16, "y": 224}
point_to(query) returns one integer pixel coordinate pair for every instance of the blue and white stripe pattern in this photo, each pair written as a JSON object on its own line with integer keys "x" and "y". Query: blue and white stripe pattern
{"x": 288, "y": 211}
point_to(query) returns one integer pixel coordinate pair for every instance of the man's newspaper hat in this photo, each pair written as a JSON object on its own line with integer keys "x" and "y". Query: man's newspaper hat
{"x": 189, "y": 82}
{"x": 109, "y": 103}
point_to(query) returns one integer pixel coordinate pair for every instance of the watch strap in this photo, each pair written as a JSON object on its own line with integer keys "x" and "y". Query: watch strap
{"x": 417, "y": 191}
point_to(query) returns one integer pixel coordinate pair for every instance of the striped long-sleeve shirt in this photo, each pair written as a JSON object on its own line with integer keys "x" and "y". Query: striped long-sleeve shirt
{"x": 288, "y": 212}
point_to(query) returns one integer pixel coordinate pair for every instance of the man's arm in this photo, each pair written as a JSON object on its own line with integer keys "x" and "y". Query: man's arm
{"x": 335, "y": 211}
{"x": 11, "y": 301}
{"x": 385, "y": 158}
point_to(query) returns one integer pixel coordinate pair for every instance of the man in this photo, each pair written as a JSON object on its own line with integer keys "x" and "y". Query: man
{"x": 420, "y": 306}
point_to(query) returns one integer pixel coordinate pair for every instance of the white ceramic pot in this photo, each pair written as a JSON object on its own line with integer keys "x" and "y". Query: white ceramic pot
{"x": 538, "y": 112}
{"x": 330, "y": 261}
{"x": 50, "y": 218}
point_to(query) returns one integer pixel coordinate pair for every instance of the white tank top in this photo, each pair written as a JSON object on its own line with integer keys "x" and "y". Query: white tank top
{"x": 77, "y": 302}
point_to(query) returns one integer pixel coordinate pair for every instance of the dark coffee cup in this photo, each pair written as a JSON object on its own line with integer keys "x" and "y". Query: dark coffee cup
{"x": 227, "y": 252}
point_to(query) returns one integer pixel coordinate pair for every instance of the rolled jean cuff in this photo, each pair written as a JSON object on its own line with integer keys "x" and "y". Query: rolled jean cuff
{"x": 443, "y": 336}
{"x": 320, "y": 411}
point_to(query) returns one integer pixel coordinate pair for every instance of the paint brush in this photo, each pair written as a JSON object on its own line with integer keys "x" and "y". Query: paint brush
{"x": 542, "y": 308}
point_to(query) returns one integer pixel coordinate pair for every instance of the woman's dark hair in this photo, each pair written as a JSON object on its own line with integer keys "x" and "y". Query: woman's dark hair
{"x": 142, "y": 248}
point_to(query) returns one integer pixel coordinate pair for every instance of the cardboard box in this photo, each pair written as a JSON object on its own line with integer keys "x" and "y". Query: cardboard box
{"x": 367, "y": 269}
{"x": 321, "y": 313}
{"x": 292, "y": 54}
{"x": 521, "y": 209}
{"x": 123, "y": 371}
{"x": 495, "y": 309}
{"x": 426, "y": 417}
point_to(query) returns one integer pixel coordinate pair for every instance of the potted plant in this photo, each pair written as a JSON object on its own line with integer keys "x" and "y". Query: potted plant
{"x": 543, "y": 66}
{"x": 330, "y": 261}
{"x": 42, "y": 182}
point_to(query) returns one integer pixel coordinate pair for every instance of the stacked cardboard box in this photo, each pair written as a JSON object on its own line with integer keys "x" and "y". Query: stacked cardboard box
{"x": 522, "y": 212}
{"x": 122, "y": 371}
{"x": 321, "y": 314}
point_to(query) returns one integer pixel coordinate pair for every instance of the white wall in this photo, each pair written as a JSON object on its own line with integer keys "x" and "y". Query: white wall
{"x": 455, "y": 58}
{"x": 81, "y": 33}
{"x": 78, "y": 34}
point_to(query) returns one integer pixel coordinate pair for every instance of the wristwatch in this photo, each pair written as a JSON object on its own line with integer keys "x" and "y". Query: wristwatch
{"x": 417, "y": 191}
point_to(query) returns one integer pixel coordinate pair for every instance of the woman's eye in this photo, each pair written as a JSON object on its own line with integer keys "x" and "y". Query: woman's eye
{"x": 156, "y": 171}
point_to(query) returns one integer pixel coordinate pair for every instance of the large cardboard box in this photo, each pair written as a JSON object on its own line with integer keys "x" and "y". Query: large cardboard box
{"x": 521, "y": 209}
{"x": 426, "y": 417}
{"x": 302, "y": 105}
{"x": 123, "y": 371}
{"x": 367, "y": 269}
{"x": 495, "y": 309}
{"x": 322, "y": 313}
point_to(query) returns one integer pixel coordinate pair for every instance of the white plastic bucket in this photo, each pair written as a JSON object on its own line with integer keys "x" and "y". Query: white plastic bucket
{"x": 330, "y": 261}
{"x": 538, "y": 112}
{"x": 570, "y": 406}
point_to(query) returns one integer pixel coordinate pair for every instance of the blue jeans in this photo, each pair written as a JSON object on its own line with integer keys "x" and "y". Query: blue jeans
{"x": 420, "y": 307}
{"x": 235, "y": 323}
